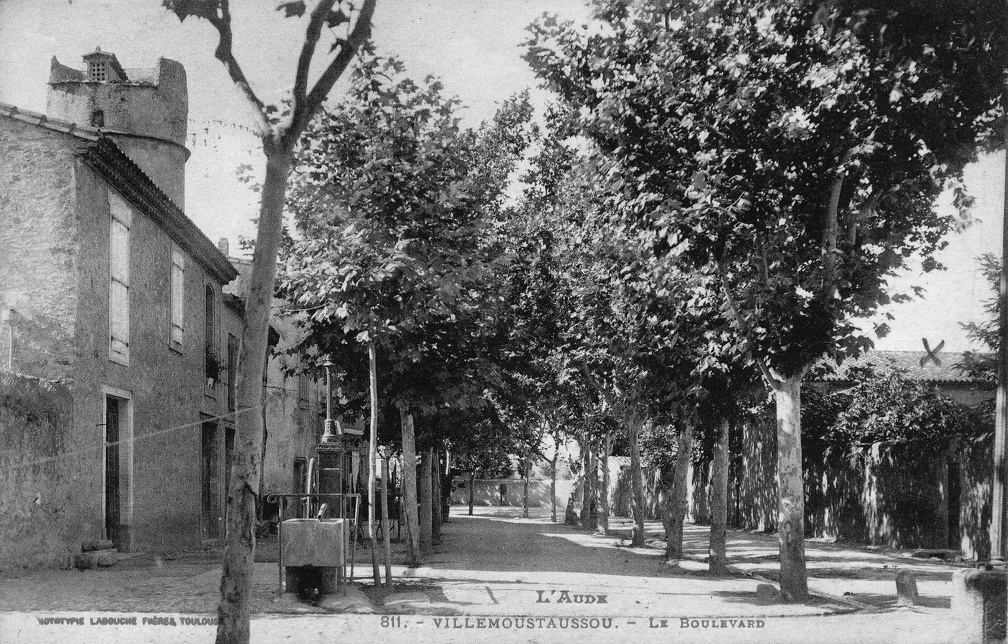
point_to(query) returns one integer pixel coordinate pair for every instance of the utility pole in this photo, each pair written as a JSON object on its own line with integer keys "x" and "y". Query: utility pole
{"x": 999, "y": 529}
{"x": 327, "y": 432}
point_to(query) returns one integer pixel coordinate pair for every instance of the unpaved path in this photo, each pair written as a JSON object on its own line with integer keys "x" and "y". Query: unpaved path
{"x": 561, "y": 582}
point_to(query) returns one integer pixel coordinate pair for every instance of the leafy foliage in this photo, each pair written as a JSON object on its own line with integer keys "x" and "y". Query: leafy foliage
{"x": 885, "y": 407}
{"x": 983, "y": 364}
{"x": 796, "y": 146}
{"x": 392, "y": 201}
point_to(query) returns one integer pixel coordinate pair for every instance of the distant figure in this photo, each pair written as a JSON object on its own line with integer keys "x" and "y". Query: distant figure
{"x": 503, "y": 493}
{"x": 931, "y": 355}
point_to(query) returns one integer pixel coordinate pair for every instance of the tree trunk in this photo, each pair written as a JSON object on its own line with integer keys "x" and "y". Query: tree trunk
{"x": 680, "y": 499}
{"x": 594, "y": 476}
{"x": 717, "y": 559}
{"x": 386, "y": 537}
{"x": 233, "y": 611}
{"x": 425, "y": 499}
{"x": 372, "y": 457}
{"x": 570, "y": 513}
{"x": 790, "y": 490}
{"x": 525, "y": 490}
{"x": 553, "y": 466}
{"x": 588, "y": 491}
{"x": 603, "y": 522}
{"x": 637, "y": 481}
{"x": 409, "y": 486}
{"x": 666, "y": 483}
{"x": 472, "y": 490}
{"x": 446, "y": 488}
{"x": 436, "y": 497}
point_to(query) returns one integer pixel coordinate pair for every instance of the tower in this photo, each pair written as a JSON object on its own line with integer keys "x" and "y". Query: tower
{"x": 145, "y": 111}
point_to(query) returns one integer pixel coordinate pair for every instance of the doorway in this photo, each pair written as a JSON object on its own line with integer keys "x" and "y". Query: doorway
{"x": 210, "y": 481}
{"x": 113, "y": 515}
{"x": 954, "y": 541}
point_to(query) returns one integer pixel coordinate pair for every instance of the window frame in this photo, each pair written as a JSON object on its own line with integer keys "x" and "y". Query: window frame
{"x": 176, "y": 301}
{"x": 211, "y": 315}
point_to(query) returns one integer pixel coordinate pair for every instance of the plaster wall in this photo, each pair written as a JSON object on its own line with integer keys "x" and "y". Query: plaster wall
{"x": 148, "y": 120}
{"x": 39, "y": 242}
{"x": 293, "y": 425}
{"x": 167, "y": 389}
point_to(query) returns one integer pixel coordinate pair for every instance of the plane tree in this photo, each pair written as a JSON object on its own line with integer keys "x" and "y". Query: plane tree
{"x": 626, "y": 334}
{"x": 279, "y": 127}
{"x": 391, "y": 200}
{"x": 795, "y": 150}
{"x": 531, "y": 394}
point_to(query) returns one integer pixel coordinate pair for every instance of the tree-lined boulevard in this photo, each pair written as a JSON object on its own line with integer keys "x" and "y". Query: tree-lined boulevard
{"x": 496, "y": 570}
{"x": 718, "y": 190}
{"x": 685, "y": 237}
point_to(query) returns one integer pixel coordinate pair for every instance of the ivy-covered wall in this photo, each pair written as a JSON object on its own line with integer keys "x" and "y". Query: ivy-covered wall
{"x": 42, "y": 487}
{"x": 898, "y": 495}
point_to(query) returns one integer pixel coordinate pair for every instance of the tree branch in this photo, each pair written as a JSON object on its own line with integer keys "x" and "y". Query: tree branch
{"x": 773, "y": 381}
{"x": 594, "y": 384}
{"x": 831, "y": 229}
{"x": 303, "y": 112}
{"x": 312, "y": 35}
{"x": 866, "y": 210}
{"x": 225, "y": 53}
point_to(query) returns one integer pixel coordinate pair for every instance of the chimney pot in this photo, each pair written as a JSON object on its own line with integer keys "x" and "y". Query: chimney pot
{"x": 222, "y": 245}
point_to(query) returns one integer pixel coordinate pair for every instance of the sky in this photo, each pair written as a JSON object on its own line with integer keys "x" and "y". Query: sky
{"x": 472, "y": 45}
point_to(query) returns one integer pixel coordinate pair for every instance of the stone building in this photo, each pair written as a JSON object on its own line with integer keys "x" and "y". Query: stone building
{"x": 119, "y": 344}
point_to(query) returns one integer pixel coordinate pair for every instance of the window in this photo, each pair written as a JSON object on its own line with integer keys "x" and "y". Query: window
{"x": 97, "y": 71}
{"x": 119, "y": 279}
{"x": 232, "y": 371}
{"x": 212, "y": 366}
{"x": 177, "y": 299}
{"x": 303, "y": 389}
{"x": 97, "y": 118}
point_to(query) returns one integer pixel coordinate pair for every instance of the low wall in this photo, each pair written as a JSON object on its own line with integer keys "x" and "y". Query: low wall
{"x": 488, "y": 492}
{"x": 38, "y": 480}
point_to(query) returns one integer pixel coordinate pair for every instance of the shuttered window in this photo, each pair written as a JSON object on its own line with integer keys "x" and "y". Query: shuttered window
{"x": 177, "y": 298}
{"x": 119, "y": 278}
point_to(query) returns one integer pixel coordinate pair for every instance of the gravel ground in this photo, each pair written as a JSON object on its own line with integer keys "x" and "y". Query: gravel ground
{"x": 496, "y": 565}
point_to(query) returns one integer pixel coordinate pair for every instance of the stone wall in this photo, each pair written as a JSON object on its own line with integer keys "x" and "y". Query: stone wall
{"x": 487, "y": 492}
{"x": 42, "y": 474}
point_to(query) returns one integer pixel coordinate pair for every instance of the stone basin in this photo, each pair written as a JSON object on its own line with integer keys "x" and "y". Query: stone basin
{"x": 310, "y": 542}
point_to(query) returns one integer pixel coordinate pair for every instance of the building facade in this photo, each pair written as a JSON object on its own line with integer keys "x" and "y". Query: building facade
{"x": 112, "y": 296}
{"x": 294, "y": 406}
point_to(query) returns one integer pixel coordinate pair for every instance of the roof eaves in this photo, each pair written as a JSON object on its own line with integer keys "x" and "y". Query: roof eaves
{"x": 56, "y": 125}
{"x": 125, "y": 176}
